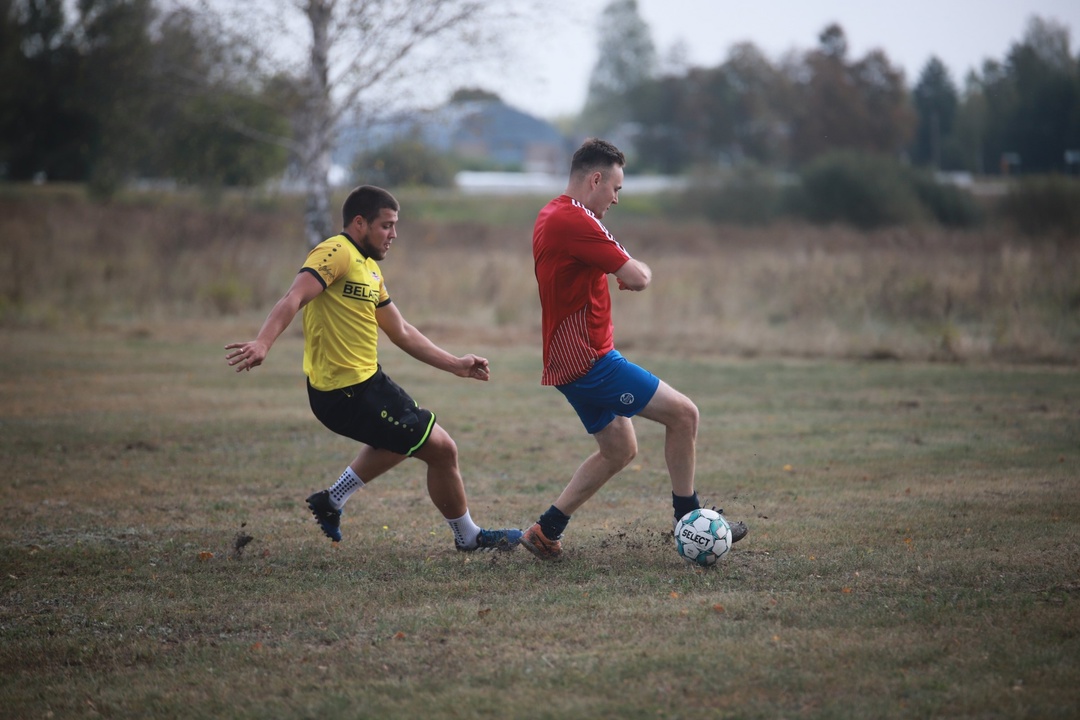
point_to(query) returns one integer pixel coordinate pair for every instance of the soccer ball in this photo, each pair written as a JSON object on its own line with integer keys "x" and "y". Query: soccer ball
{"x": 702, "y": 536}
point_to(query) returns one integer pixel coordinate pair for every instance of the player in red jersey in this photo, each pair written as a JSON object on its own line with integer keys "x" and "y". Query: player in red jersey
{"x": 574, "y": 253}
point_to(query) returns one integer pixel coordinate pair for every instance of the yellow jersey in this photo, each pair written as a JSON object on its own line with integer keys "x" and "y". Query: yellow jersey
{"x": 340, "y": 332}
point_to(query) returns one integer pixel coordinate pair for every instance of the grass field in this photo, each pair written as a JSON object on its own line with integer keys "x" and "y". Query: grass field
{"x": 913, "y": 552}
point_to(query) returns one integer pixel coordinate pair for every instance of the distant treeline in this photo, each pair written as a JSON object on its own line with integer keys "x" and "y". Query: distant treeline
{"x": 105, "y": 92}
{"x": 1017, "y": 115}
{"x": 121, "y": 89}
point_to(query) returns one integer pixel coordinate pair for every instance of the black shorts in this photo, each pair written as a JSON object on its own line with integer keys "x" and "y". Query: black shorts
{"x": 376, "y": 412}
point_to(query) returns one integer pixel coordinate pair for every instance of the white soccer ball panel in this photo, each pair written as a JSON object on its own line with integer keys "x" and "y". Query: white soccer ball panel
{"x": 702, "y": 536}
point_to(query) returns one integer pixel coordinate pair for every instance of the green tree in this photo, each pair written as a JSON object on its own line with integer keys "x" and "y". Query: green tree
{"x": 115, "y": 85}
{"x": 43, "y": 129}
{"x": 210, "y": 113}
{"x": 470, "y": 93}
{"x": 709, "y": 116}
{"x": 627, "y": 59}
{"x": 1043, "y": 123}
{"x": 660, "y": 142}
{"x": 1025, "y": 109}
{"x": 99, "y": 98}
{"x": 997, "y": 95}
{"x": 936, "y": 101}
{"x": 970, "y": 127}
{"x": 843, "y": 105}
{"x": 760, "y": 99}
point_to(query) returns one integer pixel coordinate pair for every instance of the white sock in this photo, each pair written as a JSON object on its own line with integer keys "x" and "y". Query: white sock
{"x": 342, "y": 490}
{"x": 465, "y": 530}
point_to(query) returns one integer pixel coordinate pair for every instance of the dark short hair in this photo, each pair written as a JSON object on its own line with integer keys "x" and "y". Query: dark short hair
{"x": 596, "y": 154}
{"x": 367, "y": 201}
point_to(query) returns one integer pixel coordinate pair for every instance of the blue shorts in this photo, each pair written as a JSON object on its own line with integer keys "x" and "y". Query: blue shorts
{"x": 614, "y": 386}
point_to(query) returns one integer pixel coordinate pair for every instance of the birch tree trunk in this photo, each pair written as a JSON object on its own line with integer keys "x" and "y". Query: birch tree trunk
{"x": 315, "y": 136}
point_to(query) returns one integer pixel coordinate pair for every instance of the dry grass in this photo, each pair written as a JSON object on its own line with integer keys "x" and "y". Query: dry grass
{"x": 913, "y": 553}
{"x": 790, "y": 291}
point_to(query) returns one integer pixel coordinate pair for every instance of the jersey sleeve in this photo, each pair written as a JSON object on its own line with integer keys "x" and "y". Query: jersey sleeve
{"x": 593, "y": 245}
{"x": 328, "y": 261}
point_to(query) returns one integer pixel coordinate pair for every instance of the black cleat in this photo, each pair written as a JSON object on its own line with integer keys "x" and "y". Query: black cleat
{"x": 738, "y": 531}
{"x": 328, "y": 517}
{"x": 738, "y": 528}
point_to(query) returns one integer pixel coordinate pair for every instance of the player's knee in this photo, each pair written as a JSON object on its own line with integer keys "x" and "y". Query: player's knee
{"x": 691, "y": 416}
{"x": 621, "y": 455}
{"x": 440, "y": 449}
{"x": 449, "y": 450}
{"x": 682, "y": 417}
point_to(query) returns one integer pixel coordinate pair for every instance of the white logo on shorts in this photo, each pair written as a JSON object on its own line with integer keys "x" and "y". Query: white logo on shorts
{"x": 627, "y": 398}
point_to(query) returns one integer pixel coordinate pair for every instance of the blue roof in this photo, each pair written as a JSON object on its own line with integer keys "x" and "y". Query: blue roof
{"x": 502, "y": 132}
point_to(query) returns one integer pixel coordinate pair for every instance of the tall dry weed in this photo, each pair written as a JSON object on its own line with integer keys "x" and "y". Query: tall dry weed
{"x": 782, "y": 290}
{"x": 74, "y": 262}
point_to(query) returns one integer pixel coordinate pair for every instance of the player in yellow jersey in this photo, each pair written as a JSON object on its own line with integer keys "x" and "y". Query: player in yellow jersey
{"x": 345, "y": 302}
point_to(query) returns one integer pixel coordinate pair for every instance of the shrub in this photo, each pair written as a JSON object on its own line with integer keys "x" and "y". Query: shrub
{"x": 744, "y": 196}
{"x": 403, "y": 164}
{"x": 871, "y": 191}
{"x": 867, "y": 191}
{"x": 1044, "y": 205}
{"x": 949, "y": 205}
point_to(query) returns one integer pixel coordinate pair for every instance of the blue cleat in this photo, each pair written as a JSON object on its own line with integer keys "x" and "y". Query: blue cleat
{"x": 490, "y": 540}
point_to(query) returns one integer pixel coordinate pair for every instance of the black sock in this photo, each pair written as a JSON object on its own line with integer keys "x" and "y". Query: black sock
{"x": 684, "y": 504}
{"x": 553, "y": 522}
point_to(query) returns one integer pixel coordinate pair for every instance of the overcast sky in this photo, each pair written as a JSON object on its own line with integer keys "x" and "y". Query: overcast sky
{"x": 551, "y": 71}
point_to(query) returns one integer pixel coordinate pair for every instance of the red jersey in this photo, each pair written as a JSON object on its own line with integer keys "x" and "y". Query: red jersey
{"x": 574, "y": 253}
